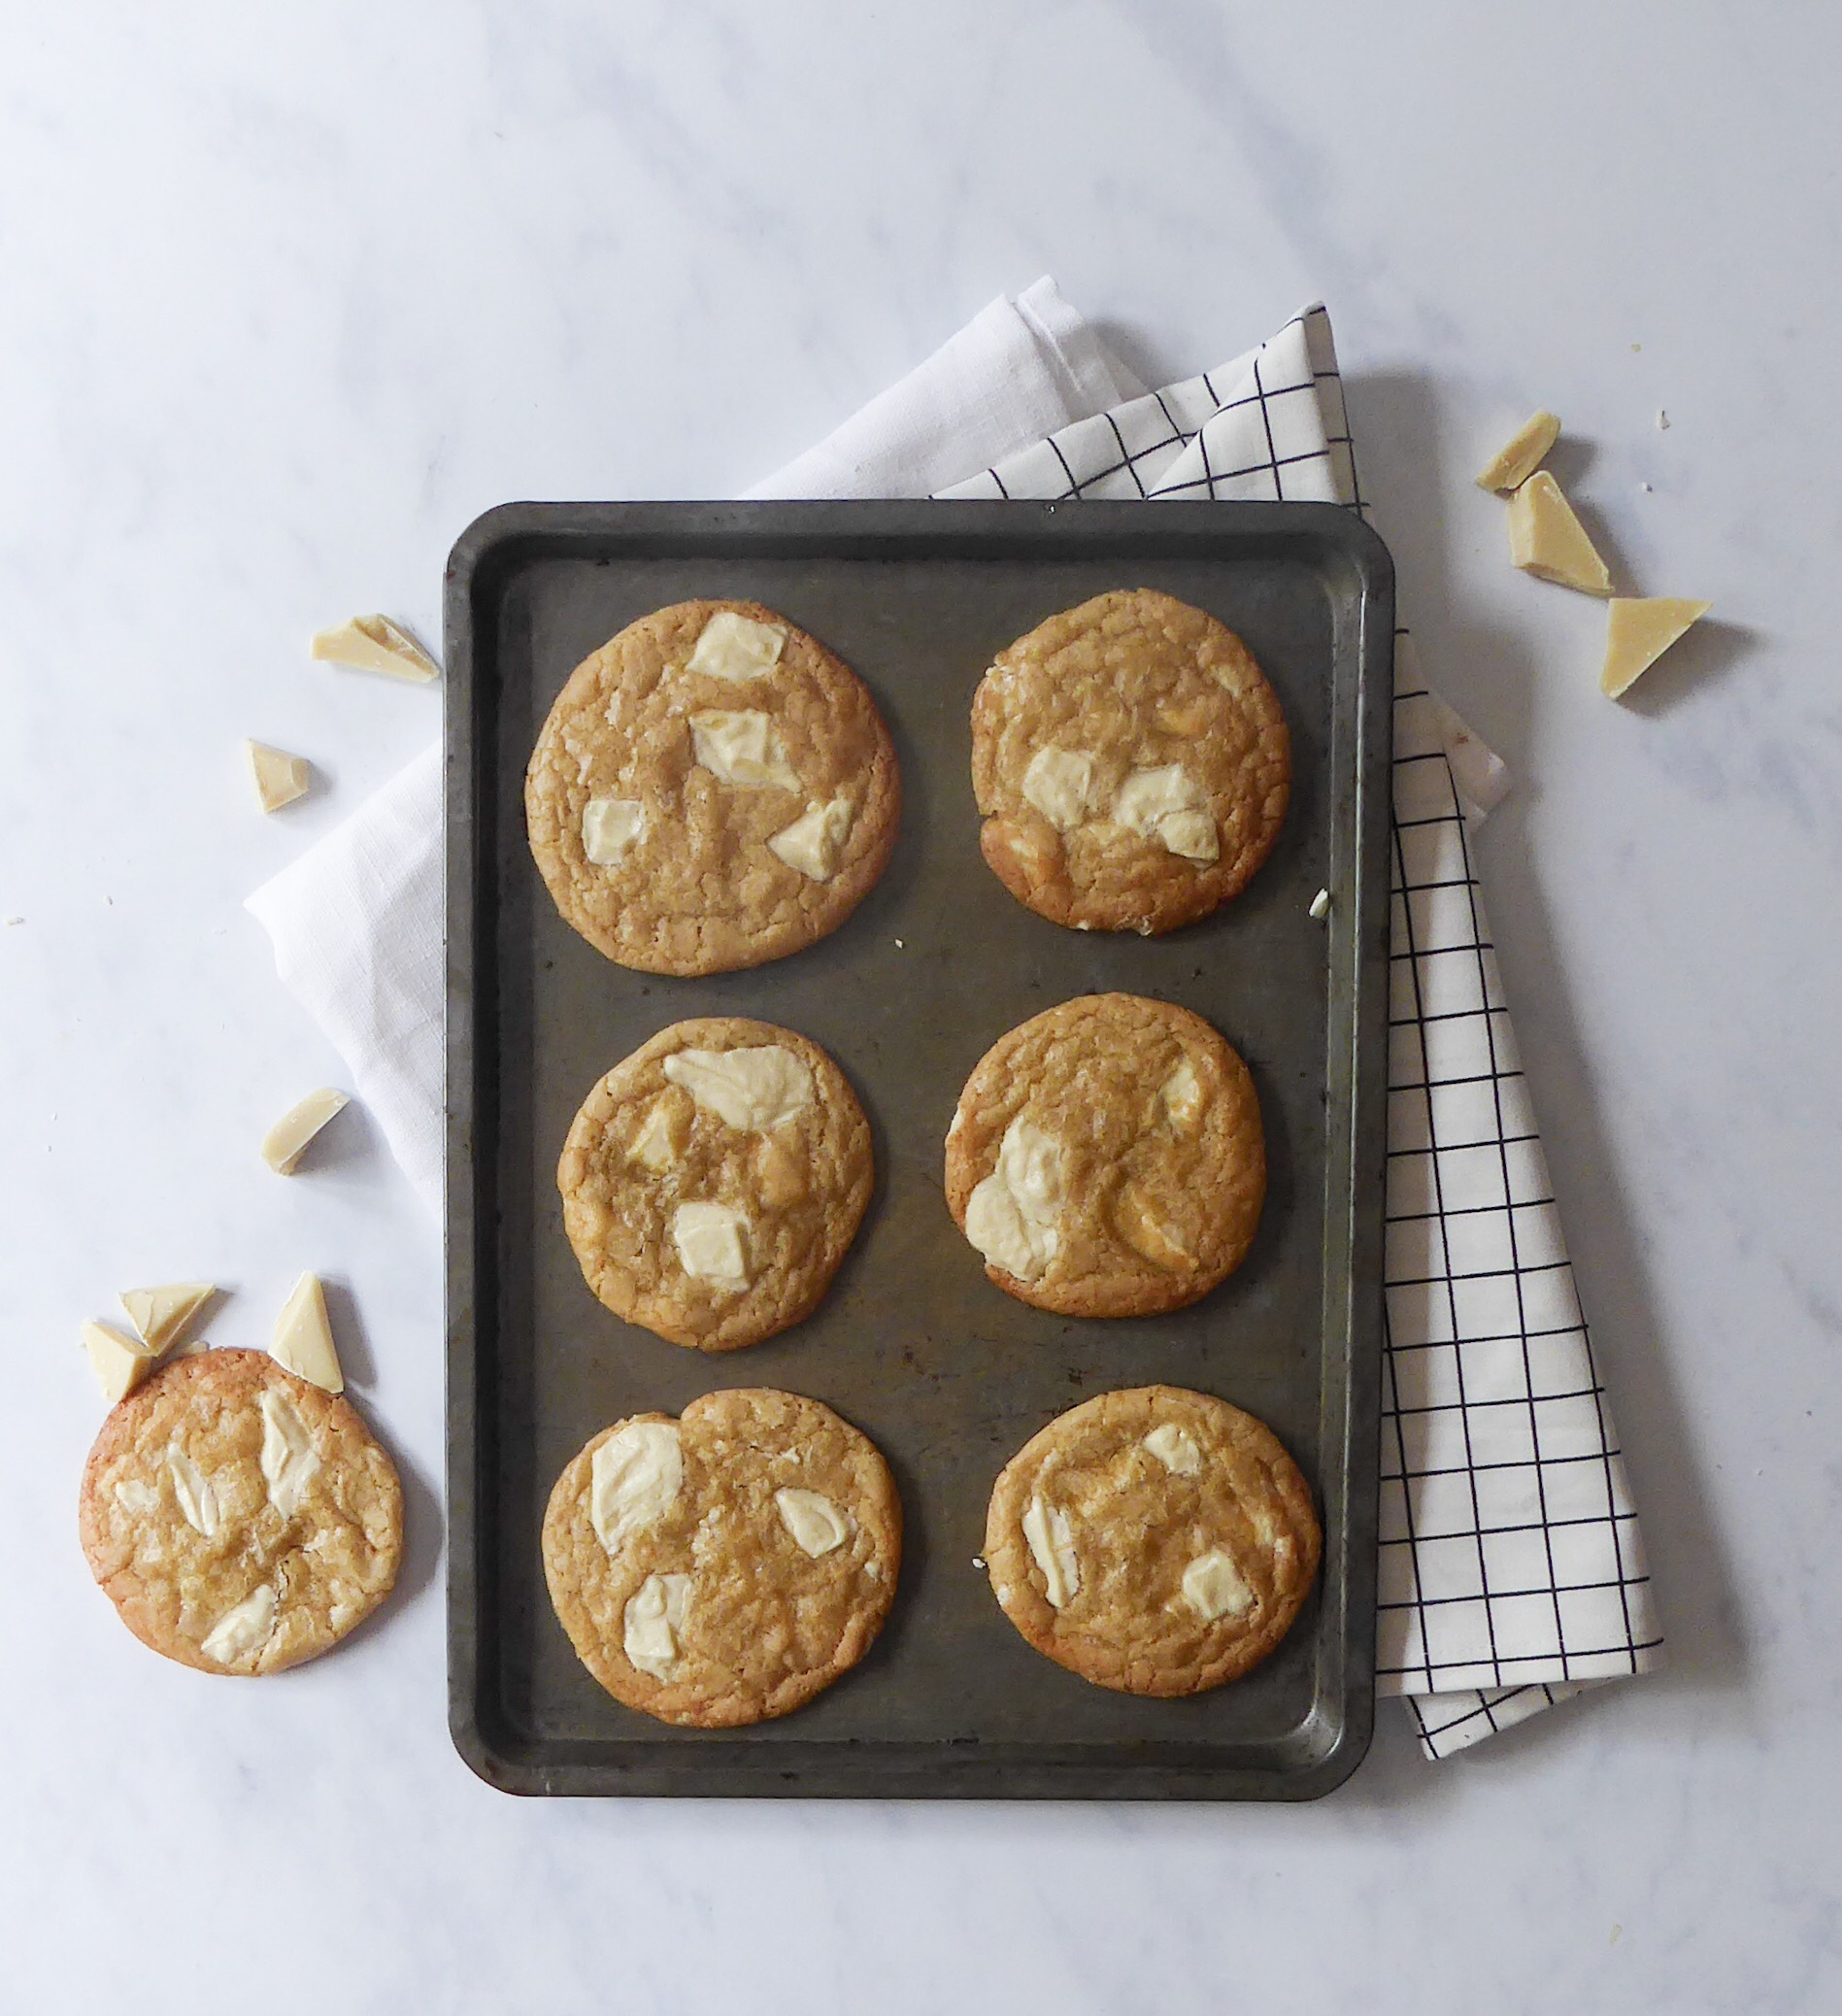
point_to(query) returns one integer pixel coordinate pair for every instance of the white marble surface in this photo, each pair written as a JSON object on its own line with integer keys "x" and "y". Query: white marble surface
{"x": 290, "y": 294}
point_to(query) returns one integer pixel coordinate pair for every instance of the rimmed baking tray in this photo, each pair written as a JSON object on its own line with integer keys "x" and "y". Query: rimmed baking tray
{"x": 948, "y": 1375}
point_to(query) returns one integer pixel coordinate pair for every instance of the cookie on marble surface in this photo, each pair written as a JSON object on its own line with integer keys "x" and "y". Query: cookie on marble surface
{"x": 1106, "y": 1158}
{"x": 1154, "y": 1541}
{"x": 713, "y": 788}
{"x": 1131, "y": 762}
{"x": 713, "y": 1181}
{"x": 723, "y": 1568}
{"x": 239, "y": 1519}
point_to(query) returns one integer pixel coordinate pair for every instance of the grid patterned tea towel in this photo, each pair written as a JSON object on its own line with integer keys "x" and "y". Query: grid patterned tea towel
{"x": 1511, "y": 1569}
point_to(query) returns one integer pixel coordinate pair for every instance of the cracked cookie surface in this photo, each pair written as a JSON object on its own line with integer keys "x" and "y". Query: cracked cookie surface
{"x": 714, "y": 1179}
{"x": 1154, "y": 1541}
{"x": 1131, "y": 762}
{"x": 713, "y": 788}
{"x": 1106, "y": 1158}
{"x": 724, "y": 1567}
{"x": 240, "y": 1519}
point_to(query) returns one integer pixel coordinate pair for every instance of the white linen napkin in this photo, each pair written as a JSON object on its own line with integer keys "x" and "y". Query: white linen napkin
{"x": 1511, "y": 1568}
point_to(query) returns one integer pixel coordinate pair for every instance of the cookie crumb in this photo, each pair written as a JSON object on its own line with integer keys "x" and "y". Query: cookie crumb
{"x": 1663, "y": 420}
{"x": 1321, "y": 904}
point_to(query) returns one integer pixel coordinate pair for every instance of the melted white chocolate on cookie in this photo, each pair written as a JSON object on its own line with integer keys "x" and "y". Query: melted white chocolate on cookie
{"x": 1012, "y": 1215}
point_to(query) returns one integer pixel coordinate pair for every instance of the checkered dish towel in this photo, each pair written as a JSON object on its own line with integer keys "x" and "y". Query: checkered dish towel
{"x": 1512, "y": 1573}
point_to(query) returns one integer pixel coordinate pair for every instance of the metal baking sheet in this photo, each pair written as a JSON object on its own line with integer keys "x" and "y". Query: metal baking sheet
{"x": 947, "y": 1374}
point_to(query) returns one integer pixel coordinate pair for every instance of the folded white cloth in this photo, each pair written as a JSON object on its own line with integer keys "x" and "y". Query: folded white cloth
{"x": 1511, "y": 1568}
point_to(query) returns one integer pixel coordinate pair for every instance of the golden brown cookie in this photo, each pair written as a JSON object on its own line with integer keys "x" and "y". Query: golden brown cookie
{"x": 727, "y": 1566}
{"x": 713, "y": 788}
{"x": 1131, "y": 764}
{"x": 240, "y": 1519}
{"x": 1107, "y": 1159}
{"x": 1154, "y": 1541}
{"x": 713, "y": 1181}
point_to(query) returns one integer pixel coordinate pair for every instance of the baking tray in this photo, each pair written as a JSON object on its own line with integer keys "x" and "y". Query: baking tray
{"x": 948, "y": 1375}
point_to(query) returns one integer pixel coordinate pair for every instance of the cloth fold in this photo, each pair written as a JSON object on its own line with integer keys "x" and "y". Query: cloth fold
{"x": 1511, "y": 1567}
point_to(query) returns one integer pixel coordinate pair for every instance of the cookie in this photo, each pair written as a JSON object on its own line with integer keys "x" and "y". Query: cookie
{"x": 1153, "y": 1540}
{"x": 1131, "y": 762}
{"x": 713, "y": 1181}
{"x": 1106, "y": 1158}
{"x": 724, "y": 1567}
{"x": 240, "y": 1519}
{"x": 712, "y": 789}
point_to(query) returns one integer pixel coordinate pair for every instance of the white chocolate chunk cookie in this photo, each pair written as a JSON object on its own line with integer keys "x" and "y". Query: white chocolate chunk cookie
{"x": 240, "y": 1519}
{"x": 724, "y": 1567}
{"x": 713, "y": 788}
{"x": 1131, "y": 762}
{"x": 1106, "y": 1158}
{"x": 714, "y": 1179}
{"x": 1154, "y": 1541}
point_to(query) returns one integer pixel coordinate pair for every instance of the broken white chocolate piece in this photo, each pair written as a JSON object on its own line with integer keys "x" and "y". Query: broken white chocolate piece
{"x": 1638, "y": 630}
{"x": 191, "y": 1487}
{"x": 1182, "y": 1093}
{"x": 711, "y": 1246}
{"x": 120, "y": 1363}
{"x": 303, "y": 1340}
{"x": 755, "y": 1089}
{"x": 1175, "y": 1448}
{"x": 1060, "y": 784}
{"x": 161, "y": 1314}
{"x": 634, "y": 1479}
{"x": 1012, "y": 1217}
{"x": 1051, "y": 1547}
{"x": 743, "y": 748}
{"x": 1163, "y": 804}
{"x": 279, "y": 778}
{"x": 1213, "y": 1586}
{"x": 610, "y": 828}
{"x": 285, "y": 1142}
{"x": 661, "y": 1136}
{"x": 1547, "y": 540}
{"x": 243, "y": 1629}
{"x": 652, "y": 1621}
{"x": 737, "y": 648}
{"x": 1321, "y": 905}
{"x": 375, "y": 644}
{"x": 1522, "y": 455}
{"x": 812, "y": 842}
{"x": 289, "y": 1459}
{"x": 816, "y": 1524}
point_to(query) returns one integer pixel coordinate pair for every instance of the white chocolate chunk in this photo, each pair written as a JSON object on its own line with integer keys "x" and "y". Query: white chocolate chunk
{"x": 278, "y": 778}
{"x": 136, "y": 1498}
{"x": 1638, "y": 630}
{"x": 1060, "y": 784}
{"x": 634, "y": 1480}
{"x": 1175, "y": 1448}
{"x": 661, "y": 1139}
{"x": 1547, "y": 540}
{"x": 817, "y": 1525}
{"x": 652, "y": 1621}
{"x": 243, "y": 1629}
{"x": 285, "y": 1142}
{"x": 303, "y": 1340}
{"x": 711, "y": 1245}
{"x": 161, "y": 1314}
{"x": 744, "y": 748}
{"x": 1012, "y": 1217}
{"x": 1051, "y": 1547}
{"x": 1182, "y": 1093}
{"x": 1165, "y": 804}
{"x": 812, "y": 842}
{"x": 737, "y": 648}
{"x": 375, "y": 644}
{"x": 610, "y": 828}
{"x": 1321, "y": 905}
{"x": 289, "y": 1459}
{"x": 1145, "y": 1226}
{"x": 1213, "y": 1586}
{"x": 1522, "y": 455}
{"x": 756, "y": 1089}
{"x": 120, "y": 1363}
{"x": 191, "y": 1487}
